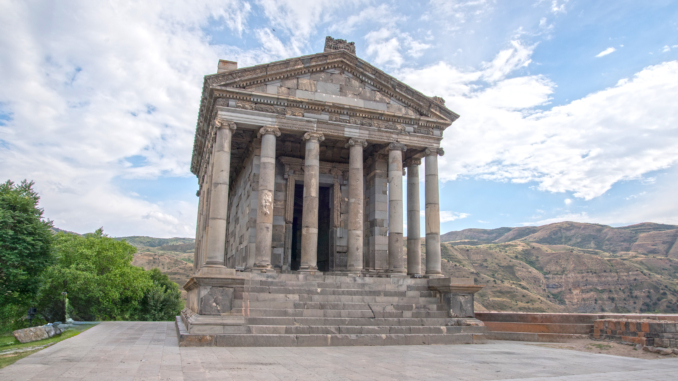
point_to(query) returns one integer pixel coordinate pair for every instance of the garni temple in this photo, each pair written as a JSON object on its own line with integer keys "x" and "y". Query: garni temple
{"x": 300, "y": 230}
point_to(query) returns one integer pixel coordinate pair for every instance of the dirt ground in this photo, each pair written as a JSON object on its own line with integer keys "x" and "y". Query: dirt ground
{"x": 606, "y": 347}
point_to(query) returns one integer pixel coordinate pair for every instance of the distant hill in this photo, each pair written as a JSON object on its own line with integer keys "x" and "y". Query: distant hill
{"x": 646, "y": 238}
{"x": 569, "y": 267}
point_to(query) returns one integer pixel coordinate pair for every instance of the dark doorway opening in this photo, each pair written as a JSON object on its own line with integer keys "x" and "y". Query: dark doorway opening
{"x": 323, "y": 227}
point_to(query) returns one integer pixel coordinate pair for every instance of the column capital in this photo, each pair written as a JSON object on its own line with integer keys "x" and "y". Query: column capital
{"x": 412, "y": 161}
{"x": 434, "y": 151}
{"x": 314, "y": 136}
{"x": 269, "y": 130}
{"x": 396, "y": 146}
{"x": 355, "y": 142}
{"x": 220, "y": 123}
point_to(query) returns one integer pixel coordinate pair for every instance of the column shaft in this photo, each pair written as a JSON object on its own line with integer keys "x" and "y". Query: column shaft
{"x": 265, "y": 200}
{"x": 355, "y": 204}
{"x": 309, "y": 218}
{"x": 216, "y": 240}
{"x": 413, "y": 218}
{"x": 395, "y": 208}
{"x": 433, "y": 265}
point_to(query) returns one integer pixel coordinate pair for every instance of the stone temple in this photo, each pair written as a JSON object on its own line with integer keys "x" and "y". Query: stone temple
{"x": 300, "y": 233}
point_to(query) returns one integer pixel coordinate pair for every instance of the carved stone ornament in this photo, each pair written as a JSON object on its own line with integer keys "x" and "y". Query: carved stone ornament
{"x": 331, "y": 45}
{"x": 352, "y": 142}
{"x": 273, "y": 130}
{"x": 434, "y": 151}
{"x": 314, "y": 136}
{"x": 439, "y": 100}
{"x": 223, "y": 123}
{"x": 412, "y": 161}
{"x": 397, "y": 147}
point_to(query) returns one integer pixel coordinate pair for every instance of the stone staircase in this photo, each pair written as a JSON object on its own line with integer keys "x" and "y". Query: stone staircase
{"x": 329, "y": 310}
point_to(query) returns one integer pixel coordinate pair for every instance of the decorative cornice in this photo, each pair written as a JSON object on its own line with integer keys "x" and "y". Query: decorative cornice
{"x": 353, "y": 142}
{"x": 314, "y": 136}
{"x": 395, "y": 146}
{"x": 269, "y": 130}
{"x": 434, "y": 151}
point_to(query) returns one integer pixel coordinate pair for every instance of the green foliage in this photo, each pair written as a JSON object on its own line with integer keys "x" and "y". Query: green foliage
{"x": 25, "y": 240}
{"x": 96, "y": 272}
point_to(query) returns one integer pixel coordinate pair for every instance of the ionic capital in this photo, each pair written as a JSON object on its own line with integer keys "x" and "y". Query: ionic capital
{"x": 223, "y": 123}
{"x": 272, "y": 130}
{"x": 412, "y": 161}
{"x": 434, "y": 151}
{"x": 314, "y": 136}
{"x": 355, "y": 142}
{"x": 397, "y": 147}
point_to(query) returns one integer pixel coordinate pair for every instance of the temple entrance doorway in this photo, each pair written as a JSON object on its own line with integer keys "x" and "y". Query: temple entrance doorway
{"x": 323, "y": 227}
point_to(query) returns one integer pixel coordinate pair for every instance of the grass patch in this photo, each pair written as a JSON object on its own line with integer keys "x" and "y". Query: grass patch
{"x": 9, "y": 343}
{"x": 600, "y": 346}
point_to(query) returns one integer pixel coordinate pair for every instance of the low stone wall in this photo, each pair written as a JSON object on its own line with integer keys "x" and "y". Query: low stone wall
{"x": 647, "y": 332}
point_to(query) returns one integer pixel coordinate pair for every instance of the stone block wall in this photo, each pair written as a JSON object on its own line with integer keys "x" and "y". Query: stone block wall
{"x": 278, "y": 258}
{"x": 242, "y": 215}
{"x": 658, "y": 333}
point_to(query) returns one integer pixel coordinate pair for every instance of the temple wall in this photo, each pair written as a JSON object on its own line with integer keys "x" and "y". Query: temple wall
{"x": 242, "y": 215}
{"x": 278, "y": 259}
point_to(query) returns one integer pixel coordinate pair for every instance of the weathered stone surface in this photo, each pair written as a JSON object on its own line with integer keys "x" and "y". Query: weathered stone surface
{"x": 42, "y": 332}
{"x": 216, "y": 301}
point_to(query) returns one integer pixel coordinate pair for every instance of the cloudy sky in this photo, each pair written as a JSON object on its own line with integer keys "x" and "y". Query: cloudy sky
{"x": 569, "y": 109}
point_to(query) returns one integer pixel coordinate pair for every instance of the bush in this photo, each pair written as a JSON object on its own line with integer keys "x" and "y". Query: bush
{"x": 97, "y": 273}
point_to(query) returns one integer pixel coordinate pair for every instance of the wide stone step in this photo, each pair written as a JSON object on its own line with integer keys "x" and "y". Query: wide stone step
{"x": 337, "y": 291}
{"x": 340, "y": 285}
{"x": 361, "y": 330}
{"x": 334, "y": 298}
{"x": 322, "y": 278}
{"x": 334, "y": 313}
{"x": 540, "y": 318}
{"x": 322, "y": 321}
{"x": 333, "y": 305}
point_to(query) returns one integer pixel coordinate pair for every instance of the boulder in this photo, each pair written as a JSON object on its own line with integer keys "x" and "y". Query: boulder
{"x": 28, "y": 335}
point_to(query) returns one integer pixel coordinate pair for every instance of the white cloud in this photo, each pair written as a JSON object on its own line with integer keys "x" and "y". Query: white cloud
{"x": 385, "y": 46}
{"x": 447, "y": 216}
{"x": 574, "y": 217}
{"x": 92, "y": 84}
{"x": 586, "y": 146}
{"x": 606, "y": 52}
{"x": 558, "y": 7}
{"x": 568, "y": 201}
{"x": 666, "y": 49}
{"x": 381, "y": 14}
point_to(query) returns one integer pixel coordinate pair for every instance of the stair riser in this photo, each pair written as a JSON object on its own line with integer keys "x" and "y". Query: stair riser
{"x": 334, "y": 298}
{"x": 333, "y": 291}
{"x": 307, "y": 321}
{"x": 356, "y": 330}
{"x": 332, "y": 306}
{"x": 337, "y": 313}
{"x": 578, "y": 329}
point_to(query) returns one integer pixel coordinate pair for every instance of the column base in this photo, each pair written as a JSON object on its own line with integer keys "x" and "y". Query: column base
{"x": 433, "y": 275}
{"x": 215, "y": 270}
{"x": 308, "y": 270}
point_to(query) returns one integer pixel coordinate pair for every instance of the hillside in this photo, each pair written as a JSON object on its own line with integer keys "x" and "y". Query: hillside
{"x": 563, "y": 267}
{"x": 569, "y": 267}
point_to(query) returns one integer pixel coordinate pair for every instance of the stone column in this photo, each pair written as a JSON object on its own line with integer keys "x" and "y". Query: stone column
{"x": 216, "y": 239}
{"x": 433, "y": 265}
{"x": 395, "y": 208}
{"x": 309, "y": 217}
{"x": 355, "y": 204}
{"x": 413, "y": 217}
{"x": 262, "y": 254}
{"x": 198, "y": 229}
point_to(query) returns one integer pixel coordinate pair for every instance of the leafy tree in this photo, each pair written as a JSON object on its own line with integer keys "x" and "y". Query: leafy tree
{"x": 97, "y": 273}
{"x": 25, "y": 240}
{"x": 162, "y": 301}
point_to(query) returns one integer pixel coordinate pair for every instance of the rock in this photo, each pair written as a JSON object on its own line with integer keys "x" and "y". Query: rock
{"x": 639, "y": 347}
{"x": 28, "y": 335}
{"x": 663, "y": 351}
{"x": 648, "y": 349}
{"x": 675, "y": 351}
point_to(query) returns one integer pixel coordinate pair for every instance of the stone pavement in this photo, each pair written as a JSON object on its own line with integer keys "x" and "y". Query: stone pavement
{"x": 149, "y": 351}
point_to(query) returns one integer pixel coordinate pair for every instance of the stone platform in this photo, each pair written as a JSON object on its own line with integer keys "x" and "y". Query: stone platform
{"x": 287, "y": 310}
{"x": 149, "y": 351}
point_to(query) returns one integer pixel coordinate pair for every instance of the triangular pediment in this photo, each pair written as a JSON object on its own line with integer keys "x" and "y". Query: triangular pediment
{"x": 337, "y": 87}
{"x": 339, "y": 78}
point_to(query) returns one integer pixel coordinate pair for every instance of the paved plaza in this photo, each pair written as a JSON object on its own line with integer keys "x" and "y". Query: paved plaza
{"x": 149, "y": 351}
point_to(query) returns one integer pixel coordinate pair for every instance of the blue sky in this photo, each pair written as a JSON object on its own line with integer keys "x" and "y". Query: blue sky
{"x": 567, "y": 107}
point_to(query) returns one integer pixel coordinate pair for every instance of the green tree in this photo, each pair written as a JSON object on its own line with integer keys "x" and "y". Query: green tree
{"x": 102, "y": 284}
{"x": 25, "y": 239}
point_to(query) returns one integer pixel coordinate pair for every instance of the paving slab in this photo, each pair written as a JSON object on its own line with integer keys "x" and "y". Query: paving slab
{"x": 149, "y": 351}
